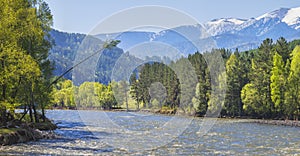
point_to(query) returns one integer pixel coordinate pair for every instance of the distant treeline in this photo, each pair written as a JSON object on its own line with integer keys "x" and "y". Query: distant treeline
{"x": 260, "y": 83}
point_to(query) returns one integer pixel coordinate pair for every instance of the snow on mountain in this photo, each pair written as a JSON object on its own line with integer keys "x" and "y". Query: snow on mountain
{"x": 289, "y": 16}
{"x": 280, "y": 13}
{"x": 292, "y": 18}
{"x": 223, "y": 25}
{"x": 231, "y": 25}
{"x": 231, "y": 32}
{"x": 228, "y": 33}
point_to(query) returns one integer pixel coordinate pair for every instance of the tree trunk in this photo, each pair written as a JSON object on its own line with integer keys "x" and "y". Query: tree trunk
{"x": 25, "y": 112}
{"x": 30, "y": 112}
{"x": 138, "y": 105}
{"x": 160, "y": 104}
{"x": 3, "y": 118}
{"x": 35, "y": 112}
{"x": 32, "y": 103}
{"x": 43, "y": 113}
{"x": 126, "y": 100}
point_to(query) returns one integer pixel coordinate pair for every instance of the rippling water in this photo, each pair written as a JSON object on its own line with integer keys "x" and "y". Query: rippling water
{"x": 118, "y": 133}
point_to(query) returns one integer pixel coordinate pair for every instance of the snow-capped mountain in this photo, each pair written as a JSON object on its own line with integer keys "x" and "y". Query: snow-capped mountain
{"x": 223, "y": 25}
{"x": 228, "y": 33}
{"x": 291, "y": 17}
{"x": 247, "y": 34}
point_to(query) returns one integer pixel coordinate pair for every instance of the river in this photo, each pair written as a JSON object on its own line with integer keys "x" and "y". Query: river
{"x": 119, "y": 133}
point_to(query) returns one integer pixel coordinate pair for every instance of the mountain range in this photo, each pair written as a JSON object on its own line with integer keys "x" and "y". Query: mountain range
{"x": 229, "y": 33}
{"x": 248, "y": 33}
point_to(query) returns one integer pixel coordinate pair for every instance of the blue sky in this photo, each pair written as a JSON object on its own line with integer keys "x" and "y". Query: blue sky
{"x": 81, "y": 16}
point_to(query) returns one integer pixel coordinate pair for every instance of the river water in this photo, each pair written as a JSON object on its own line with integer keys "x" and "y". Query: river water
{"x": 119, "y": 133}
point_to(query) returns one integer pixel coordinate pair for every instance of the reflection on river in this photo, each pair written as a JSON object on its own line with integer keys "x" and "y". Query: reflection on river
{"x": 81, "y": 132}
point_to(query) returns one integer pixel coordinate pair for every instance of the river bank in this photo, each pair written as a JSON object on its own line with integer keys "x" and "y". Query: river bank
{"x": 19, "y": 132}
{"x": 292, "y": 123}
{"x": 170, "y": 112}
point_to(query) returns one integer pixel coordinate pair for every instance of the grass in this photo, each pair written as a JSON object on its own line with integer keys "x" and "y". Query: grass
{"x": 44, "y": 126}
{"x": 8, "y": 130}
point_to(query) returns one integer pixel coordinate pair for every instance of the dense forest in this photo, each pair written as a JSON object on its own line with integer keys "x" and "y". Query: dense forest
{"x": 261, "y": 83}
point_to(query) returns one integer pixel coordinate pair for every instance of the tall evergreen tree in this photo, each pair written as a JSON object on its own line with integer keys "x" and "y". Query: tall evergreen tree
{"x": 232, "y": 104}
{"x": 200, "y": 99}
{"x": 260, "y": 81}
{"x": 134, "y": 90}
{"x": 282, "y": 48}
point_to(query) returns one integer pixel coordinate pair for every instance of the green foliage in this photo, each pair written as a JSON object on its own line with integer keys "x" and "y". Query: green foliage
{"x": 188, "y": 80}
{"x": 259, "y": 83}
{"x": 281, "y": 47}
{"x": 292, "y": 94}
{"x": 121, "y": 92}
{"x": 24, "y": 65}
{"x": 89, "y": 95}
{"x": 69, "y": 45}
{"x": 153, "y": 73}
{"x": 63, "y": 94}
{"x": 235, "y": 81}
{"x": 134, "y": 90}
{"x": 201, "y": 98}
{"x": 64, "y": 52}
{"x": 278, "y": 82}
{"x": 249, "y": 97}
{"x": 260, "y": 80}
{"x": 273, "y": 87}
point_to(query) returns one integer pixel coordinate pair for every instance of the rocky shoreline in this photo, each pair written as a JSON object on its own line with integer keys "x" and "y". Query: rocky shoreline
{"x": 292, "y": 123}
{"x": 27, "y": 132}
{"x": 24, "y": 135}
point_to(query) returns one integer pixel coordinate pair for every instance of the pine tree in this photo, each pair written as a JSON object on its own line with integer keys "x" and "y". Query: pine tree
{"x": 200, "y": 99}
{"x": 259, "y": 87}
{"x": 232, "y": 104}
{"x": 281, "y": 47}
{"x": 134, "y": 92}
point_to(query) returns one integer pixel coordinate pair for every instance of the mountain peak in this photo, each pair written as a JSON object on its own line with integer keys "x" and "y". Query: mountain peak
{"x": 227, "y": 20}
{"x": 280, "y": 13}
{"x": 222, "y": 25}
{"x": 292, "y": 17}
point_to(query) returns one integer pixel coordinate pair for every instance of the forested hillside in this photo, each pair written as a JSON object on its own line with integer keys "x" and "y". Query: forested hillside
{"x": 65, "y": 49}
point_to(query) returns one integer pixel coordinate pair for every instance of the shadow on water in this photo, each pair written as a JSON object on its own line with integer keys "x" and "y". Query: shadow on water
{"x": 69, "y": 124}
